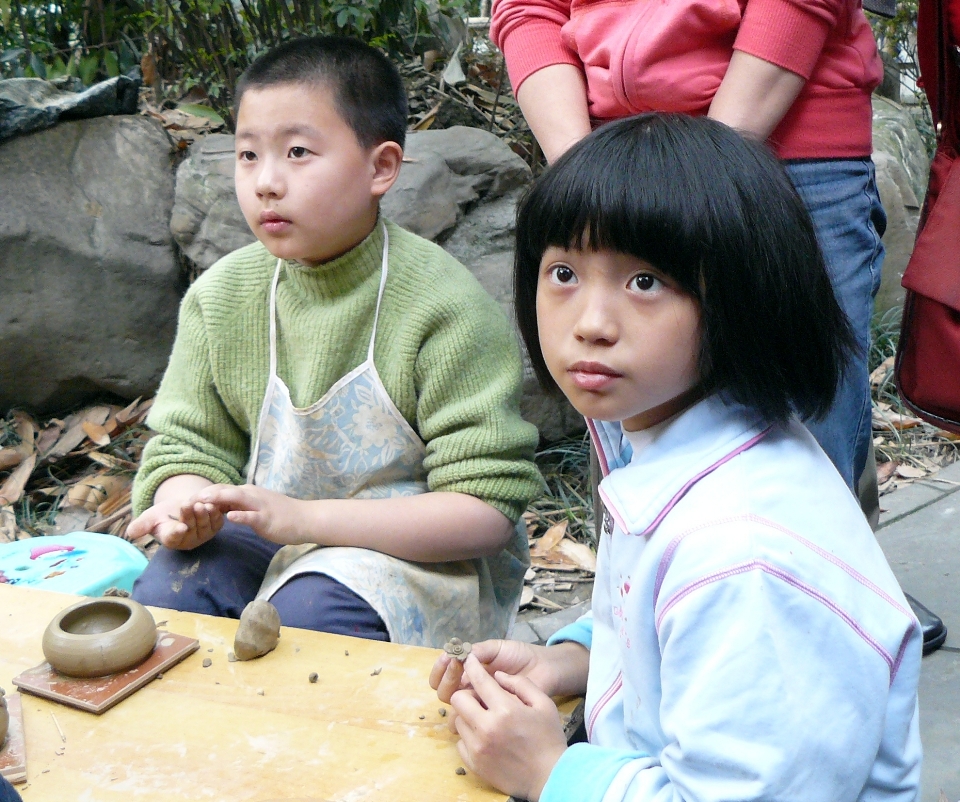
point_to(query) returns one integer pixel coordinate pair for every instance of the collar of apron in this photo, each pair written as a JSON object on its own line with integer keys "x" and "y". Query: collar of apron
{"x": 339, "y": 276}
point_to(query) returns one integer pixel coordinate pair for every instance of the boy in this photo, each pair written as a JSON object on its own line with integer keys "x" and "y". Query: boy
{"x": 343, "y": 367}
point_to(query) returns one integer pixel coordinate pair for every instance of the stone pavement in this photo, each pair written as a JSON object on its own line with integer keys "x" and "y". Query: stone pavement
{"x": 919, "y": 532}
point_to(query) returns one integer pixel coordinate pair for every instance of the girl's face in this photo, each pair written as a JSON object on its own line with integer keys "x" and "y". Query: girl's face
{"x": 620, "y": 339}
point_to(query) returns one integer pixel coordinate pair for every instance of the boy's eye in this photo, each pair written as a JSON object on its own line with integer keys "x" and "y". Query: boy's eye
{"x": 298, "y": 152}
{"x": 645, "y": 282}
{"x": 562, "y": 274}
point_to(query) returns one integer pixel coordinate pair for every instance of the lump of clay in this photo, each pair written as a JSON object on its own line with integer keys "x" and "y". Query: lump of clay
{"x": 258, "y": 632}
{"x": 457, "y": 648}
{"x": 4, "y": 719}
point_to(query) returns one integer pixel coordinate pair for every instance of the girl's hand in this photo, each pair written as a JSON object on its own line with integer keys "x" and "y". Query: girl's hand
{"x": 178, "y": 526}
{"x": 509, "y": 656}
{"x": 273, "y": 516}
{"x": 510, "y": 731}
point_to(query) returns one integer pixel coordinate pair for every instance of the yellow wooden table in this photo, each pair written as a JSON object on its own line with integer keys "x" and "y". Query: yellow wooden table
{"x": 368, "y": 729}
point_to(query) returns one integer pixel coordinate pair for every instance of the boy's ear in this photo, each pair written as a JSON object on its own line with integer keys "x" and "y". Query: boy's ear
{"x": 386, "y": 159}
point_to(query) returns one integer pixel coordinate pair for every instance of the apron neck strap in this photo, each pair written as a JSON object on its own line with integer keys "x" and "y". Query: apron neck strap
{"x": 376, "y": 314}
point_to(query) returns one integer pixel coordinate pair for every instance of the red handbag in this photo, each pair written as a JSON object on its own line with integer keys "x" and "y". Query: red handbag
{"x": 928, "y": 355}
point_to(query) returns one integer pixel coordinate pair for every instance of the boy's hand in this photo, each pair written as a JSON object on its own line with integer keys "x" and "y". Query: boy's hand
{"x": 510, "y": 731}
{"x": 178, "y": 526}
{"x": 273, "y": 516}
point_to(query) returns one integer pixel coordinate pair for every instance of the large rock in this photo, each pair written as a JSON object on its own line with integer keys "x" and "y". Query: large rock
{"x": 902, "y": 169}
{"x": 91, "y": 284}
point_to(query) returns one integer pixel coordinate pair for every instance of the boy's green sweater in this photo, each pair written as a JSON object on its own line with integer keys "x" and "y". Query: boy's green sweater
{"x": 444, "y": 351}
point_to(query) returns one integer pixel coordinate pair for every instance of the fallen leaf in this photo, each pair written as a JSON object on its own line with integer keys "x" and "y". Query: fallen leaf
{"x": 129, "y": 412}
{"x": 26, "y": 430}
{"x": 9, "y": 532}
{"x": 526, "y": 596}
{"x": 112, "y": 462}
{"x": 12, "y": 488}
{"x": 549, "y": 540}
{"x": 910, "y": 472}
{"x": 49, "y": 436}
{"x": 92, "y": 491}
{"x": 885, "y": 470}
{"x": 581, "y": 554}
{"x": 75, "y": 434}
{"x": 98, "y": 434}
{"x": 882, "y": 370}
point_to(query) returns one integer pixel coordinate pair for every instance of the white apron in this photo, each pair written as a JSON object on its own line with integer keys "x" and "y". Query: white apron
{"x": 354, "y": 443}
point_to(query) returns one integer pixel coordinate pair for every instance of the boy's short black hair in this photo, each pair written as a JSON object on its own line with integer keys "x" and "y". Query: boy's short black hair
{"x": 718, "y": 214}
{"x": 367, "y": 89}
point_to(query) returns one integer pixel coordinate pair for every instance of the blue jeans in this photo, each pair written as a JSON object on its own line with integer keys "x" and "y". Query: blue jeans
{"x": 843, "y": 201}
{"x": 224, "y": 574}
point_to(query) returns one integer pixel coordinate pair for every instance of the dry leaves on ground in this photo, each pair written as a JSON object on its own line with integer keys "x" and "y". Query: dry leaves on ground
{"x": 557, "y": 564}
{"x": 907, "y": 447}
{"x": 71, "y": 474}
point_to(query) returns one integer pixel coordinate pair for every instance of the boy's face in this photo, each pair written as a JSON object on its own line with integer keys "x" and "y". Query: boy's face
{"x": 307, "y": 188}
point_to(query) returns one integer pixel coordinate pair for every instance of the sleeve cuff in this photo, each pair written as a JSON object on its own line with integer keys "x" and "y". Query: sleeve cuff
{"x": 585, "y": 772}
{"x": 532, "y": 47}
{"x": 580, "y": 631}
{"x": 785, "y": 33}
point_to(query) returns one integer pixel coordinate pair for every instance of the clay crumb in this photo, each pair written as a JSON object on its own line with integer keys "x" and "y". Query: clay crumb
{"x": 422, "y": 717}
{"x": 231, "y": 657}
{"x": 314, "y": 676}
{"x": 375, "y": 672}
{"x": 210, "y": 650}
{"x": 461, "y": 771}
{"x": 296, "y": 648}
{"x": 207, "y": 662}
{"x": 259, "y": 691}
{"x": 346, "y": 653}
{"x": 162, "y": 623}
{"x": 442, "y": 711}
{"x": 160, "y": 675}
{"x": 457, "y": 648}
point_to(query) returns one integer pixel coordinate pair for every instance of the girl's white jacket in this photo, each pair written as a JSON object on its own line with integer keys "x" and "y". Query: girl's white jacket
{"x": 748, "y": 639}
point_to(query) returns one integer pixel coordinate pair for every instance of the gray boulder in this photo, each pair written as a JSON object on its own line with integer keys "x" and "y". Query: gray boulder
{"x": 91, "y": 284}
{"x": 902, "y": 170}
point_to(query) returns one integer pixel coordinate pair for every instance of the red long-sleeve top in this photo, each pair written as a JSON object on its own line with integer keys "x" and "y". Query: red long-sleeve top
{"x": 670, "y": 55}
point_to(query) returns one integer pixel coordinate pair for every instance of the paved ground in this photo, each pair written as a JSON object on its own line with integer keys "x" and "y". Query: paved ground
{"x": 920, "y": 533}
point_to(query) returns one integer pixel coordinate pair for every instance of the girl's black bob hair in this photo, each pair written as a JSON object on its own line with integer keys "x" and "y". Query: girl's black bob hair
{"x": 718, "y": 214}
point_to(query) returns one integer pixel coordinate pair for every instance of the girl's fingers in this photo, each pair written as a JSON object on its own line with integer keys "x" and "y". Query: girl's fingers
{"x": 486, "y": 687}
{"x": 438, "y": 670}
{"x": 521, "y": 687}
{"x": 451, "y": 678}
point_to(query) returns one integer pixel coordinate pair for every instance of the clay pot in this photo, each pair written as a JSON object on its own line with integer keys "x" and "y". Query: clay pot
{"x": 97, "y": 637}
{"x": 4, "y": 719}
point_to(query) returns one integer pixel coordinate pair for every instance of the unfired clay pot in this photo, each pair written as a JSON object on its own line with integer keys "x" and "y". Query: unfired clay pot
{"x": 97, "y": 637}
{"x": 4, "y": 719}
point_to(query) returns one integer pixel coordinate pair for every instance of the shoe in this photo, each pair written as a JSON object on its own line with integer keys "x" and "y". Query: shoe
{"x": 932, "y": 626}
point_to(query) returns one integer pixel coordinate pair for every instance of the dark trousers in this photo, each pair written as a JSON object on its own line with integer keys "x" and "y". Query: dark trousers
{"x": 7, "y": 792}
{"x": 224, "y": 574}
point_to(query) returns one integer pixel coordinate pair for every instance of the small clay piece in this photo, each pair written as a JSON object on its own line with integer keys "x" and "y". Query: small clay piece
{"x": 461, "y": 771}
{"x": 442, "y": 711}
{"x": 313, "y": 676}
{"x": 207, "y": 662}
{"x": 97, "y": 637}
{"x": 375, "y": 672}
{"x": 346, "y": 653}
{"x": 422, "y": 718}
{"x": 259, "y": 691}
{"x": 231, "y": 657}
{"x": 457, "y": 648}
{"x": 4, "y": 718}
{"x": 258, "y": 632}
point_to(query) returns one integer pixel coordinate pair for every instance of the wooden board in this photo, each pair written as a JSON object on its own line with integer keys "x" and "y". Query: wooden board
{"x": 97, "y": 694}
{"x": 244, "y": 731}
{"x": 13, "y": 756}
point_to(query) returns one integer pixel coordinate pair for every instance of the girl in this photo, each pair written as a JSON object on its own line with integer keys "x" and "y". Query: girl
{"x": 748, "y": 639}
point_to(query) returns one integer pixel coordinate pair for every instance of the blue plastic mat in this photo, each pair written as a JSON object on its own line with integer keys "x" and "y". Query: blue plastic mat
{"x": 84, "y": 563}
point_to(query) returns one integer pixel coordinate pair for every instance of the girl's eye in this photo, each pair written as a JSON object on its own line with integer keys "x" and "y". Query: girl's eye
{"x": 298, "y": 152}
{"x": 562, "y": 274}
{"x": 645, "y": 282}
{"x": 247, "y": 156}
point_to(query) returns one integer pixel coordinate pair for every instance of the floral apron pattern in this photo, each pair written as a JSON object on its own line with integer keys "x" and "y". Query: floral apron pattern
{"x": 355, "y": 443}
